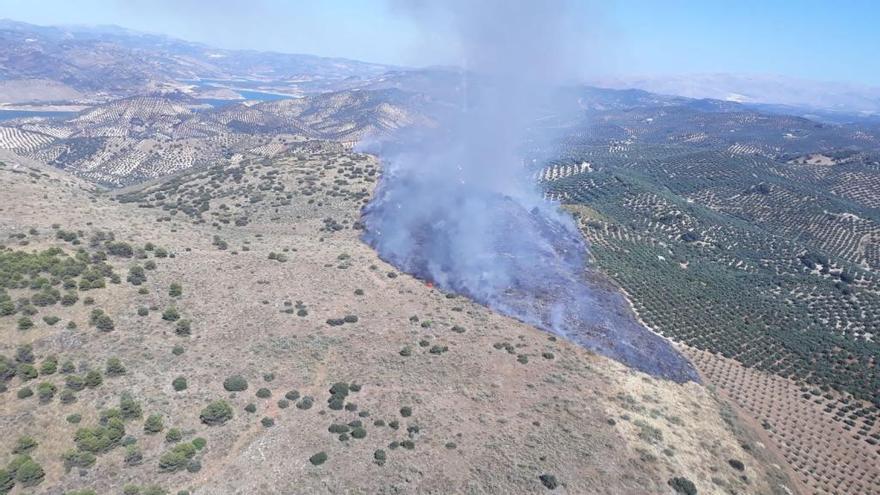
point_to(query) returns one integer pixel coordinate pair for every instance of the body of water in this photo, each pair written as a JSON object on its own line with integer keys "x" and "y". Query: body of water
{"x": 19, "y": 114}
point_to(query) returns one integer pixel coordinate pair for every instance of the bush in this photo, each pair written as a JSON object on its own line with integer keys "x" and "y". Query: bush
{"x": 305, "y": 403}
{"x": 264, "y": 393}
{"x": 51, "y": 320}
{"x": 7, "y": 481}
{"x": 129, "y": 408}
{"x": 101, "y": 438}
{"x": 251, "y": 408}
{"x": 133, "y": 455}
{"x": 177, "y": 458}
{"x": 25, "y": 323}
{"x": 74, "y": 418}
{"x": 683, "y": 485}
{"x": 216, "y": 413}
{"x": 46, "y": 391}
{"x": 76, "y": 459}
{"x": 143, "y": 311}
{"x": 175, "y": 290}
{"x": 267, "y": 422}
{"x": 24, "y": 353}
{"x": 292, "y": 395}
{"x": 177, "y": 350}
{"x": 24, "y": 445}
{"x": 199, "y": 443}
{"x": 49, "y": 366}
{"x": 136, "y": 275}
{"x": 122, "y": 249}
{"x": 358, "y": 433}
{"x": 153, "y": 424}
{"x": 115, "y": 367}
{"x": 75, "y": 382}
{"x": 173, "y": 435}
{"x": 318, "y": 459}
{"x": 406, "y": 411}
{"x": 179, "y": 384}
{"x": 183, "y": 328}
{"x": 93, "y": 379}
{"x": 27, "y": 372}
{"x": 104, "y": 323}
{"x": 736, "y": 464}
{"x": 549, "y": 481}
{"x": 171, "y": 314}
{"x": 24, "y": 393}
{"x": 235, "y": 383}
{"x": 67, "y": 397}
{"x": 29, "y": 473}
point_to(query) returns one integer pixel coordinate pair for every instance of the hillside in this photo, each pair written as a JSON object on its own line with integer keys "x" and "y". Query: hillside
{"x": 248, "y": 285}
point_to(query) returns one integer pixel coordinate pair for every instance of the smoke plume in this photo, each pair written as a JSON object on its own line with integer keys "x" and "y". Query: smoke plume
{"x": 457, "y": 206}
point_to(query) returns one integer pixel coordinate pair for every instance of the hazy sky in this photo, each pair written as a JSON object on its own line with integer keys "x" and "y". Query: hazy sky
{"x": 830, "y": 40}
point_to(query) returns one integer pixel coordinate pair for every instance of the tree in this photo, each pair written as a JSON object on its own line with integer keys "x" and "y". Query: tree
{"x": 115, "y": 367}
{"x": 153, "y": 424}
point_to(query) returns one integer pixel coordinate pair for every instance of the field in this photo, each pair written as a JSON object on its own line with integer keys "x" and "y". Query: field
{"x": 765, "y": 268}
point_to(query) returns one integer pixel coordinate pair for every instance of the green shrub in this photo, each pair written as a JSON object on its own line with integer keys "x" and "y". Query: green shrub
{"x": 380, "y": 457}
{"x": 267, "y": 422}
{"x": 76, "y": 459}
{"x": 173, "y": 435}
{"x": 235, "y": 383}
{"x": 143, "y": 311}
{"x": 7, "y": 481}
{"x": 175, "y": 290}
{"x": 318, "y": 459}
{"x": 100, "y": 438}
{"x": 136, "y": 275}
{"x": 251, "y": 408}
{"x": 171, "y": 314}
{"x": 216, "y": 413}
{"x": 46, "y": 391}
{"x": 25, "y": 323}
{"x": 67, "y": 397}
{"x": 133, "y": 455}
{"x": 264, "y": 393}
{"x": 24, "y": 445}
{"x": 29, "y": 473}
{"x": 74, "y": 382}
{"x": 179, "y": 384}
{"x": 74, "y": 418}
{"x": 27, "y": 372}
{"x": 406, "y": 411}
{"x": 154, "y": 424}
{"x": 177, "y": 458}
{"x": 199, "y": 443}
{"x": 177, "y": 350}
{"x": 183, "y": 328}
{"x": 51, "y": 320}
{"x": 305, "y": 403}
{"x": 292, "y": 395}
{"x": 24, "y": 393}
{"x": 358, "y": 433}
{"x": 49, "y": 365}
{"x": 115, "y": 367}
{"x": 129, "y": 408}
{"x": 93, "y": 379}
{"x": 683, "y": 485}
{"x": 549, "y": 481}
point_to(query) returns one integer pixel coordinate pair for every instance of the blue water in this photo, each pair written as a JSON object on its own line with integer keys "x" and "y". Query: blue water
{"x": 18, "y": 114}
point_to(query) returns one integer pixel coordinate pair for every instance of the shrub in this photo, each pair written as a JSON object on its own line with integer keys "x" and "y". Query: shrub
{"x": 283, "y": 404}
{"x": 292, "y": 395}
{"x": 51, "y": 320}
{"x": 103, "y": 322}
{"x": 358, "y": 433}
{"x": 173, "y": 435}
{"x": 7, "y": 481}
{"x": 115, "y": 367}
{"x": 46, "y": 391}
{"x": 69, "y": 299}
{"x": 68, "y": 367}
{"x": 264, "y": 393}
{"x": 143, "y": 311}
{"x": 177, "y": 458}
{"x": 305, "y": 403}
{"x": 251, "y": 408}
{"x": 318, "y": 459}
{"x": 175, "y": 290}
{"x": 136, "y": 275}
{"x": 549, "y": 481}
{"x": 67, "y": 397}
{"x": 129, "y": 408}
{"x": 380, "y": 457}
{"x": 194, "y": 466}
{"x": 199, "y": 443}
{"x": 183, "y": 328}
{"x": 406, "y": 411}
{"x": 25, "y": 323}
{"x": 93, "y": 379}
{"x": 74, "y": 418}
{"x": 27, "y": 372}
{"x": 75, "y": 382}
{"x": 179, "y": 384}
{"x": 171, "y": 314}
{"x": 216, "y": 413}
{"x": 235, "y": 383}
{"x": 153, "y": 424}
{"x": 121, "y": 249}
{"x": 24, "y": 393}
{"x": 29, "y": 473}
{"x": 683, "y": 485}
{"x": 736, "y": 464}
{"x": 76, "y": 459}
{"x": 177, "y": 350}
{"x": 133, "y": 455}
{"x": 24, "y": 445}
{"x": 101, "y": 438}
{"x": 49, "y": 366}
{"x": 267, "y": 422}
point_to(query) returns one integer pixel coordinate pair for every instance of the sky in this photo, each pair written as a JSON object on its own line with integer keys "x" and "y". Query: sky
{"x": 809, "y": 39}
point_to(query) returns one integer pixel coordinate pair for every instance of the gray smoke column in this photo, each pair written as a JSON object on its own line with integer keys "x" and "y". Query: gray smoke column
{"x": 457, "y": 206}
